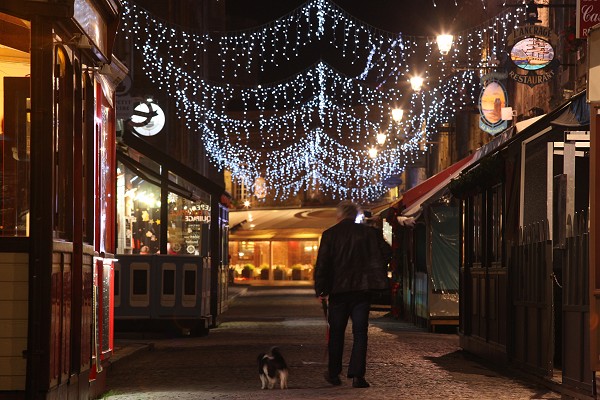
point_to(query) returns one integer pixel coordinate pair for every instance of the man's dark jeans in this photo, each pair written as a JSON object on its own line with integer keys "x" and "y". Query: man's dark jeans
{"x": 342, "y": 306}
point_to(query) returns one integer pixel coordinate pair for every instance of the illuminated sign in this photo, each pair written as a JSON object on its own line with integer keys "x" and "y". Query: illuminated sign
{"x": 531, "y": 50}
{"x": 491, "y": 101}
{"x": 532, "y": 53}
{"x": 588, "y": 15}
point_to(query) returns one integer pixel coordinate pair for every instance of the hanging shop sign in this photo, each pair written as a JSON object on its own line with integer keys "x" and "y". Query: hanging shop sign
{"x": 531, "y": 50}
{"x": 148, "y": 118}
{"x": 491, "y": 101}
{"x": 588, "y": 15}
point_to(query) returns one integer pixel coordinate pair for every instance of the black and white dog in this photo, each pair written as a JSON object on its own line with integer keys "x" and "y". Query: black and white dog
{"x": 271, "y": 367}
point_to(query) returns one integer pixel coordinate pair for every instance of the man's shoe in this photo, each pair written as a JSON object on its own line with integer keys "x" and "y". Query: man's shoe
{"x": 334, "y": 380}
{"x": 360, "y": 383}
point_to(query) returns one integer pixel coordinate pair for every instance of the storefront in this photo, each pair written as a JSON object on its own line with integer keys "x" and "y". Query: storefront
{"x": 282, "y": 260}
{"x": 276, "y": 246}
{"x": 172, "y": 236}
{"x": 57, "y": 84}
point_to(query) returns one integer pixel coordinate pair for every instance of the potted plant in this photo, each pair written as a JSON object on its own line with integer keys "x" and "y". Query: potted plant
{"x": 296, "y": 272}
{"x": 247, "y": 271}
{"x": 264, "y": 272}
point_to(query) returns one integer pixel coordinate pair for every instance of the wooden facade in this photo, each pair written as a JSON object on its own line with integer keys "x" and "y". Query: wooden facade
{"x": 56, "y": 238}
{"x": 524, "y": 251}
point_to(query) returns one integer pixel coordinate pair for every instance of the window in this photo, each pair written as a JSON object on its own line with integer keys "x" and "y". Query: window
{"x": 477, "y": 227}
{"x": 138, "y": 212}
{"x": 15, "y": 103}
{"x": 63, "y": 146}
{"x": 496, "y": 212}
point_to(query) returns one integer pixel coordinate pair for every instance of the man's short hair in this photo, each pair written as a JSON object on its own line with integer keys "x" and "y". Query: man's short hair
{"x": 347, "y": 209}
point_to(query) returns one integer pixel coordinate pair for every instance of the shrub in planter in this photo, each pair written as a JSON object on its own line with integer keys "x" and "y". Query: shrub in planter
{"x": 247, "y": 271}
{"x": 296, "y": 272}
{"x": 278, "y": 274}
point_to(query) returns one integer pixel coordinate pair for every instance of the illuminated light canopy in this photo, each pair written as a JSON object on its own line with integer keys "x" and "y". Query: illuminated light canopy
{"x": 312, "y": 129}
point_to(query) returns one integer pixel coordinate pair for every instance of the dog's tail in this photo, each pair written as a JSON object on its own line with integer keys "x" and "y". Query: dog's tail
{"x": 260, "y": 364}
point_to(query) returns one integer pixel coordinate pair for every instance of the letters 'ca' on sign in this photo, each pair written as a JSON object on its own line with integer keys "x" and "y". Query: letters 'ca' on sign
{"x": 588, "y": 15}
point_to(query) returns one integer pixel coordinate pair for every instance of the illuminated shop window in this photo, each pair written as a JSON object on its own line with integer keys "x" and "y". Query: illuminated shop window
{"x": 15, "y": 124}
{"x": 138, "y": 213}
{"x": 189, "y": 223}
{"x": 274, "y": 260}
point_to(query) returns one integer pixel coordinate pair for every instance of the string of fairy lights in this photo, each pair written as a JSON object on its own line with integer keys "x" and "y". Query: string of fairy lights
{"x": 313, "y": 129}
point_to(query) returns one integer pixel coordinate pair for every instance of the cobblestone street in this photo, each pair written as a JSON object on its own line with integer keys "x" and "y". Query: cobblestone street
{"x": 403, "y": 363}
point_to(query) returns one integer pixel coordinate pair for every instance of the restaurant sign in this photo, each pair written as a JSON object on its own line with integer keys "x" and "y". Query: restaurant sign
{"x": 531, "y": 50}
{"x": 491, "y": 101}
{"x": 588, "y": 15}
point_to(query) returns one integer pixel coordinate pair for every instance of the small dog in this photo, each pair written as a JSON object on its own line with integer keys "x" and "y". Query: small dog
{"x": 271, "y": 367}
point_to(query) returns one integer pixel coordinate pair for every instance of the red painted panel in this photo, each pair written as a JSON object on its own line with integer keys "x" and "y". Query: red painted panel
{"x": 86, "y": 318}
{"x": 55, "y": 298}
{"x": 66, "y": 322}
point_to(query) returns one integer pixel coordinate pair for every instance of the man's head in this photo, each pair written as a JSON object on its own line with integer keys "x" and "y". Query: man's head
{"x": 346, "y": 210}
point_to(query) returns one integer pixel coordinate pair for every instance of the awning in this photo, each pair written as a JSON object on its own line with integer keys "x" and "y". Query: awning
{"x": 280, "y": 224}
{"x": 413, "y": 198}
{"x": 576, "y": 115}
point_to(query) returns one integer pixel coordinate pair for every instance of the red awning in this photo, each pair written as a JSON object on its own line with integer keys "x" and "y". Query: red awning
{"x": 413, "y": 198}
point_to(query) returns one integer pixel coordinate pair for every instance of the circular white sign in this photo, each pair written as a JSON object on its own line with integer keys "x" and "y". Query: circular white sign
{"x": 148, "y": 119}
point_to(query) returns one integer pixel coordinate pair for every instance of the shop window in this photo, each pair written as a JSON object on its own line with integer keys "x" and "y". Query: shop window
{"x": 477, "y": 228}
{"x": 189, "y": 226}
{"x": 89, "y": 194}
{"x": 63, "y": 146}
{"x": 138, "y": 211}
{"x": 15, "y": 123}
{"x": 276, "y": 260}
{"x": 496, "y": 237}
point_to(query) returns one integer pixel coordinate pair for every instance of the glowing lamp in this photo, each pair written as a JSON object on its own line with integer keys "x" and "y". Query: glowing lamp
{"x": 416, "y": 83}
{"x": 397, "y": 114}
{"x": 373, "y": 152}
{"x": 444, "y": 43}
{"x": 381, "y": 137}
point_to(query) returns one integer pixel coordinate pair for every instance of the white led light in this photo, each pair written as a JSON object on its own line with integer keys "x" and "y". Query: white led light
{"x": 310, "y": 130}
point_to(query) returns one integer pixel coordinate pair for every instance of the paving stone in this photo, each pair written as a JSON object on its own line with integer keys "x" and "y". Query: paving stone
{"x": 404, "y": 362}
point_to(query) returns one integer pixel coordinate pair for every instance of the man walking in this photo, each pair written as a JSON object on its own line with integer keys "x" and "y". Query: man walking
{"x": 351, "y": 262}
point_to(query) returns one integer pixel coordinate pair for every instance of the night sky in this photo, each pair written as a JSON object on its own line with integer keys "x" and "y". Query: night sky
{"x": 412, "y": 17}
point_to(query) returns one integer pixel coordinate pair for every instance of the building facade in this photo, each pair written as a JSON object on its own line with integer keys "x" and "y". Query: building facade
{"x": 171, "y": 207}
{"x": 57, "y": 235}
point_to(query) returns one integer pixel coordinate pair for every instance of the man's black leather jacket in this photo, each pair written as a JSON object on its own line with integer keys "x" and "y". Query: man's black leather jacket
{"x": 352, "y": 257}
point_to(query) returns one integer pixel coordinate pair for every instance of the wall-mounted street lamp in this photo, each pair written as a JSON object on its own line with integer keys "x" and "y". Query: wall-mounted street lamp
{"x": 444, "y": 43}
{"x": 397, "y": 114}
{"x": 416, "y": 83}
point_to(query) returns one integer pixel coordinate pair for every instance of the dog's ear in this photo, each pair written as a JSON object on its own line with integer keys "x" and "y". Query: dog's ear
{"x": 261, "y": 356}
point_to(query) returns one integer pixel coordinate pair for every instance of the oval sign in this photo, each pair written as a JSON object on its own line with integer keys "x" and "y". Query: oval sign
{"x": 492, "y": 99}
{"x": 532, "y": 53}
